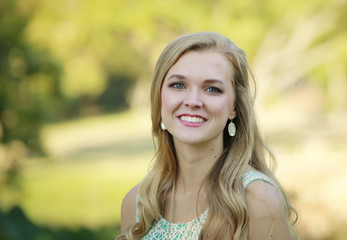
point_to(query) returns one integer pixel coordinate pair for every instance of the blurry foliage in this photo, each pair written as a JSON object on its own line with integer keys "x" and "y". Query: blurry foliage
{"x": 29, "y": 80}
{"x": 14, "y": 225}
{"x": 39, "y": 85}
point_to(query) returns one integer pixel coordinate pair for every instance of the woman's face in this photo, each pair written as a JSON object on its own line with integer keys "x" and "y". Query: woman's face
{"x": 198, "y": 97}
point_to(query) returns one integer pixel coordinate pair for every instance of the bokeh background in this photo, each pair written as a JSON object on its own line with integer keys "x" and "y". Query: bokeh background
{"x": 74, "y": 105}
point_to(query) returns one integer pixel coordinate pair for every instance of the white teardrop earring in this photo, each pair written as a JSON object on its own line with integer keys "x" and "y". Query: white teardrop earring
{"x": 232, "y": 129}
{"x": 162, "y": 126}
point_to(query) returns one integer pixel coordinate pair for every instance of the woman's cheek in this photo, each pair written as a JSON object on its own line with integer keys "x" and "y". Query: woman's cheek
{"x": 165, "y": 102}
{"x": 219, "y": 109}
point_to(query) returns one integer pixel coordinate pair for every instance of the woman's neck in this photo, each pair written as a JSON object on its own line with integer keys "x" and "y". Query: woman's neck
{"x": 194, "y": 163}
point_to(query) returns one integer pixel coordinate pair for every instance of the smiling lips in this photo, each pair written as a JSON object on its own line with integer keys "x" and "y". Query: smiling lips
{"x": 192, "y": 121}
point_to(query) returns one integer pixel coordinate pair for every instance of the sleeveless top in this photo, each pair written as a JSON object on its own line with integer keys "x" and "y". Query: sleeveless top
{"x": 191, "y": 230}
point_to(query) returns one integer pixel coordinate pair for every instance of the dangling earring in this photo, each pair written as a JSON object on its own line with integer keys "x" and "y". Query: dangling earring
{"x": 162, "y": 126}
{"x": 232, "y": 129}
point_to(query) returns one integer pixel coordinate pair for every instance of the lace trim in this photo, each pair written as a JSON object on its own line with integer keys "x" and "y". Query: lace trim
{"x": 189, "y": 230}
{"x": 252, "y": 176}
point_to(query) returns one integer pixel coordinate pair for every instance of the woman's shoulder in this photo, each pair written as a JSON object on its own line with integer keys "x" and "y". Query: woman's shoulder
{"x": 128, "y": 210}
{"x": 266, "y": 210}
{"x": 263, "y": 193}
{"x": 131, "y": 195}
{"x": 260, "y": 188}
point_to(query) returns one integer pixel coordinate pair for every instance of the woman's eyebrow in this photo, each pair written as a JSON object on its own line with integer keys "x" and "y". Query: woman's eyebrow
{"x": 211, "y": 81}
{"x": 178, "y": 76}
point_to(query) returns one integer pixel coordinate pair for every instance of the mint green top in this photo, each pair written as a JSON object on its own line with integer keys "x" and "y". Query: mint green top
{"x": 181, "y": 230}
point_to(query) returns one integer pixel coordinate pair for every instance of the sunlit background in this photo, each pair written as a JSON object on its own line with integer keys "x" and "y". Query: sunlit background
{"x": 74, "y": 105}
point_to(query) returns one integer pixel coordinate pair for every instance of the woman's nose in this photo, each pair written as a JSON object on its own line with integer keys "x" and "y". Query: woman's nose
{"x": 193, "y": 99}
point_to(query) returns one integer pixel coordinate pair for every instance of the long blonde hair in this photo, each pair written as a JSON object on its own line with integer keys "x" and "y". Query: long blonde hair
{"x": 227, "y": 216}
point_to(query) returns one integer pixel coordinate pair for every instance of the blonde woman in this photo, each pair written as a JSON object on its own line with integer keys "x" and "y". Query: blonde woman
{"x": 210, "y": 179}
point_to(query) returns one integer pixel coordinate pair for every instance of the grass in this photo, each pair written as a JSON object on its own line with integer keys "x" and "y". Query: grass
{"x": 84, "y": 184}
{"x": 80, "y": 193}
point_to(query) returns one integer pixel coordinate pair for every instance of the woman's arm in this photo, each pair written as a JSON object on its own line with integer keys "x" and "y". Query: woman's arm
{"x": 128, "y": 211}
{"x": 267, "y": 219}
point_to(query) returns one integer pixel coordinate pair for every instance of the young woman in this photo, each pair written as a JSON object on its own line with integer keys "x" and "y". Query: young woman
{"x": 210, "y": 179}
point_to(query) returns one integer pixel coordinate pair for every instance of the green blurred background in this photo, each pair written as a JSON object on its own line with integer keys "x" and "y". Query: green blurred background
{"x": 74, "y": 105}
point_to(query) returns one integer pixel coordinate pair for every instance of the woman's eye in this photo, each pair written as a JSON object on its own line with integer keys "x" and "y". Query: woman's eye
{"x": 213, "y": 90}
{"x": 177, "y": 85}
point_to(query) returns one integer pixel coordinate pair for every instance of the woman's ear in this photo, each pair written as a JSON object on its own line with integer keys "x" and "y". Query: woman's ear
{"x": 233, "y": 114}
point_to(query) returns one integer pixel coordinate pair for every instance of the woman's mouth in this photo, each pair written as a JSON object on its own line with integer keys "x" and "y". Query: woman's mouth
{"x": 192, "y": 119}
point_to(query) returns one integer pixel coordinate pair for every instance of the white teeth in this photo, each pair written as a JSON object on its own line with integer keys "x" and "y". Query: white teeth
{"x": 192, "y": 119}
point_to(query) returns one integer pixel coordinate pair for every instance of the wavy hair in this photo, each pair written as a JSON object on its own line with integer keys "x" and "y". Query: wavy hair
{"x": 227, "y": 216}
